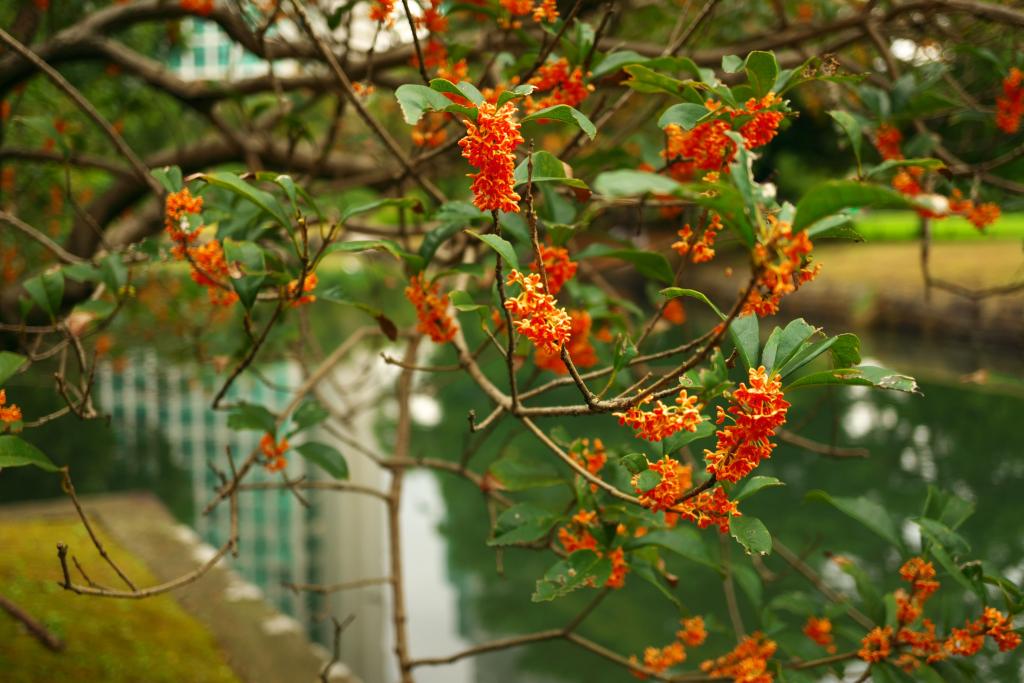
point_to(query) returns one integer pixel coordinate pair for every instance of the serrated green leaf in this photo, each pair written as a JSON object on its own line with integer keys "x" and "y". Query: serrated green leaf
{"x": 863, "y": 375}
{"x": 583, "y": 567}
{"x": 752, "y": 534}
{"x": 522, "y": 523}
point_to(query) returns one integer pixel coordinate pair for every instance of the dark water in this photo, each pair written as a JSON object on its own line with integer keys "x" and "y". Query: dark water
{"x": 961, "y": 437}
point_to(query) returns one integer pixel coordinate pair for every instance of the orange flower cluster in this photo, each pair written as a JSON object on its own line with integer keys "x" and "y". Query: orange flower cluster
{"x": 756, "y": 412}
{"x": 887, "y": 141}
{"x": 580, "y": 349}
{"x": 663, "y": 421}
{"x": 708, "y": 146}
{"x": 676, "y": 479}
{"x": 917, "y": 646}
{"x": 210, "y": 269}
{"x": 747, "y": 663}
{"x": 576, "y": 536}
{"x": 8, "y": 413}
{"x": 704, "y": 509}
{"x": 201, "y": 7}
{"x": 557, "y": 265}
{"x": 1010, "y": 106}
{"x": 820, "y": 631}
{"x": 489, "y": 145}
{"x": 541, "y": 10}
{"x": 301, "y": 296}
{"x": 546, "y": 10}
{"x": 382, "y": 12}
{"x": 431, "y": 309}
{"x": 674, "y": 312}
{"x": 980, "y": 215}
{"x": 177, "y": 206}
{"x": 274, "y": 453}
{"x": 593, "y": 460}
{"x": 432, "y": 19}
{"x": 539, "y": 318}
{"x": 565, "y": 86}
{"x": 781, "y": 262}
{"x": 429, "y": 131}
{"x": 701, "y": 250}
{"x": 660, "y": 659}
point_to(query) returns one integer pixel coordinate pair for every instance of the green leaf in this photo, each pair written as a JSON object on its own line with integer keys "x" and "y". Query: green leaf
{"x": 453, "y": 217}
{"x": 522, "y": 523}
{"x": 514, "y": 93}
{"x": 863, "y": 375}
{"x": 731, "y": 64}
{"x": 582, "y": 568}
{"x": 648, "y": 263}
{"x": 326, "y": 457}
{"x": 500, "y": 245}
{"x": 837, "y": 226}
{"x": 82, "y": 272}
{"x": 464, "y": 89}
{"x": 254, "y": 195}
{"x": 250, "y": 261}
{"x": 412, "y": 203}
{"x": 752, "y": 534}
{"x": 547, "y": 168}
{"x": 926, "y": 163}
{"x": 169, "y": 177}
{"x": 755, "y": 484}
{"x": 416, "y": 100}
{"x": 627, "y": 183}
{"x": 745, "y": 335}
{"x": 311, "y": 412}
{"x": 10, "y": 363}
{"x": 827, "y": 198}
{"x": 634, "y": 462}
{"x": 113, "y": 272}
{"x": 845, "y": 350}
{"x": 645, "y": 80}
{"x": 762, "y": 70}
{"x": 615, "y": 61}
{"x": 251, "y": 416}
{"x": 685, "y": 115}
{"x": 16, "y": 452}
{"x": 939, "y": 533}
{"x": 671, "y": 444}
{"x": 647, "y": 572}
{"x": 517, "y": 472}
{"x": 390, "y": 246}
{"x": 462, "y": 301}
{"x": 46, "y": 290}
{"x": 786, "y": 345}
{"x": 850, "y": 126}
{"x": 684, "y": 541}
{"x": 648, "y": 479}
{"x": 673, "y": 292}
{"x": 565, "y": 114}
{"x": 866, "y": 511}
{"x": 749, "y": 582}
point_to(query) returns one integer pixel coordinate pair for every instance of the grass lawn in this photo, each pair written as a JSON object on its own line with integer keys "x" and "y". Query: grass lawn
{"x": 897, "y": 226}
{"x": 107, "y": 640}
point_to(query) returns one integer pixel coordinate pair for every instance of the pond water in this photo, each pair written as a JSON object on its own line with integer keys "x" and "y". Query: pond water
{"x": 960, "y": 436}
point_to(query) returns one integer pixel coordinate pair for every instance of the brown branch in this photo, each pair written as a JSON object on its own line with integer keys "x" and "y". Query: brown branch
{"x": 34, "y": 627}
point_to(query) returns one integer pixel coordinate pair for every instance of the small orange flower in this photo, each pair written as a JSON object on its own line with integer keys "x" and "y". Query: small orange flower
{"x": 676, "y": 479}
{"x": 565, "y": 86}
{"x": 764, "y": 122}
{"x": 201, "y": 7}
{"x": 580, "y": 349}
{"x": 887, "y": 141}
{"x": 431, "y": 309}
{"x": 177, "y": 207}
{"x": 210, "y": 270}
{"x": 8, "y": 413}
{"x": 820, "y": 631}
{"x": 382, "y": 11}
{"x": 557, "y": 265}
{"x": 964, "y": 642}
{"x": 1010, "y": 106}
{"x": 489, "y": 145}
{"x": 693, "y": 632}
{"x": 539, "y": 318}
{"x": 663, "y": 421}
{"x": 309, "y": 283}
{"x": 674, "y": 312}
{"x": 747, "y": 663}
{"x": 876, "y": 645}
{"x": 274, "y": 453}
{"x": 999, "y": 628}
{"x": 546, "y": 10}
{"x": 781, "y": 259}
{"x": 756, "y": 412}
{"x": 921, "y": 575}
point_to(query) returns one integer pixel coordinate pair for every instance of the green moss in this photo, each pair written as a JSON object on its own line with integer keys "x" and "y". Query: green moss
{"x": 108, "y": 640}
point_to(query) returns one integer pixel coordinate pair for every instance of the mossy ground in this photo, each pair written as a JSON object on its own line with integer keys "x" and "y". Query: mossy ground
{"x": 107, "y": 640}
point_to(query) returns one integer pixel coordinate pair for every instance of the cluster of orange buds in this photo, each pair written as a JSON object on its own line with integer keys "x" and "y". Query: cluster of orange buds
{"x": 274, "y": 453}
{"x": 300, "y": 295}
{"x": 819, "y": 629}
{"x": 746, "y": 663}
{"x": 708, "y": 508}
{"x": 700, "y": 250}
{"x": 564, "y": 86}
{"x": 540, "y": 11}
{"x": 660, "y": 659}
{"x": 676, "y": 479}
{"x": 580, "y": 349}
{"x": 8, "y": 413}
{"x": 979, "y": 215}
{"x": 576, "y": 536}
{"x": 704, "y": 509}
{"x": 201, "y": 7}
{"x": 674, "y": 312}
{"x": 708, "y": 146}
{"x": 923, "y": 645}
{"x": 756, "y": 412}
{"x": 781, "y": 263}
{"x": 593, "y": 459}
{"x": 382, "y": 11}
{"x": 210, "y": 269}
{"x": 558, "y": 267}
{"x": 431, "y": 309}
{"x": 429, "y": 131}
{"x": 539, "y": 318}
{"x": 1010, "y": 106}
{"x": 887, "y": 141}
{"x": 663, "y": 421}
{"x": 489, "y": 145}
{"x": 432, "y": 19}
{"x": 177, "y": 207}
